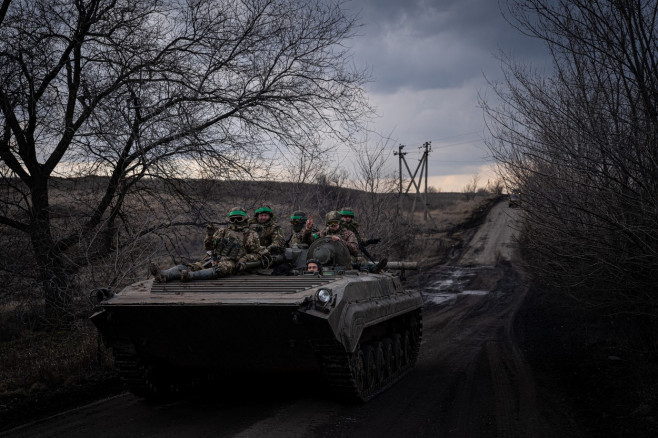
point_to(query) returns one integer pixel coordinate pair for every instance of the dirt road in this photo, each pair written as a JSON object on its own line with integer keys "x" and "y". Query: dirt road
{"x": 494, "y": 240}
{"x": 470, "y": 380}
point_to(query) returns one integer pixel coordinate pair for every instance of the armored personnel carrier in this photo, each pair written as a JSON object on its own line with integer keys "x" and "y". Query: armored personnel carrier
{"x": 355, "y": 324}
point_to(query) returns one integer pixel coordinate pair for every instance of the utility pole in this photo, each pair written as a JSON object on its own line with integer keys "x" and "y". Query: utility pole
{"x": 428, "y": 149}
{"x": 424, "y": 168}
{"x": 401, "y": 157}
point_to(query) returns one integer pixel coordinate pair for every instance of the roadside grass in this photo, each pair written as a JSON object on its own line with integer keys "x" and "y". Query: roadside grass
{"x": 38, "y": 361}
{"x": 42, "y": 372}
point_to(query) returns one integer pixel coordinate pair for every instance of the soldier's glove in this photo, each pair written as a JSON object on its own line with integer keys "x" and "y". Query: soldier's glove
{"x": 210, "y": 230}
{"x": 372, "y": 241}
{"x": 241, "y": 266}
{"x": 266, "y": 260}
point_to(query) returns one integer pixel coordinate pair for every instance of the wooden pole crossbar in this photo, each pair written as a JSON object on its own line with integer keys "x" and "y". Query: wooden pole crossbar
{"x": 424, "y": 168}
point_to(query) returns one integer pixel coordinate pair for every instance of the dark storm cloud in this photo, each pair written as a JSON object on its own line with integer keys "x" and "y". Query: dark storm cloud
{"x": 433, "y": 44}
{"x": 429, "y": 60}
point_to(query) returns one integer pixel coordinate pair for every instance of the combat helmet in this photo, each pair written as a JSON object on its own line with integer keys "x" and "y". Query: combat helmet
{"x": 264, "y": 209}
{"x": 347, "y": 211}
{"x": 237, "y": 214}
{"x": 317, "y": 262}
{"x": 298, "y": 220}
{"x": 298, "y": 216}
{"x": 332, "y": 216}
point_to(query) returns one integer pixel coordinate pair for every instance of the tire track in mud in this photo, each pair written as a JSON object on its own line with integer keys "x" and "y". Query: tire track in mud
{"x": 488, "y": 386}
{"x": 495, "y": 393}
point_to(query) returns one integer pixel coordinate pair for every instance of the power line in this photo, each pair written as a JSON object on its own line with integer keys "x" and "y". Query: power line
{"x": 455, "y": 135}
{"x": 484, "y": 160}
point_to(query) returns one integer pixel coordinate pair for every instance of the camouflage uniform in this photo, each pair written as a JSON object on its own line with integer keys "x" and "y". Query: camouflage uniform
{"x": 297, "y": 235}
{"x": 353, "y": 226}
{"x": 233, "y": 244}
{"x": 269, "y": 233}
{"x": 229, "y": 247}
{"x": 348, "y": 237}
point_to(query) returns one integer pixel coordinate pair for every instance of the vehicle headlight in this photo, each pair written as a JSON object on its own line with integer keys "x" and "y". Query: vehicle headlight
{"x": 323, "y": 295}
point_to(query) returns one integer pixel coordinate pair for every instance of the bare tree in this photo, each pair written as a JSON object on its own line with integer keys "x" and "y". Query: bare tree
{"x": 494, "y": 187}
{"x": 147, "y": 92}
{"x": 379, "y": 186}
{"x": 303, "y": 170}
{"x": 582, "y": 146}
{"x": 471, "y": 189}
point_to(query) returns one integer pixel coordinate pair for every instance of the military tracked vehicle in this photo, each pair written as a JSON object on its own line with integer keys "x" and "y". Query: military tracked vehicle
{"x": 354, "y": 323}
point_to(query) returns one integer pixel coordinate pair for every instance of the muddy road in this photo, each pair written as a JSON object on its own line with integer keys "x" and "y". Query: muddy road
{"x": 470, "y": 380}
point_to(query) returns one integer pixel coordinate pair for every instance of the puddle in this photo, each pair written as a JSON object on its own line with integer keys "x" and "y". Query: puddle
{"x": 450, "y": 282}
{"x": 439, "y": 298}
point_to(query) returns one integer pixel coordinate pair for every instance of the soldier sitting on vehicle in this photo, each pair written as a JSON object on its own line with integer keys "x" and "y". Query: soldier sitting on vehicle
{"x": 297, "y": 236}
{"x": 231, "y": 248}
{"x": 269, "y": 231}
{"x": 335, "y": 230}
{"x": 349, "y": 223}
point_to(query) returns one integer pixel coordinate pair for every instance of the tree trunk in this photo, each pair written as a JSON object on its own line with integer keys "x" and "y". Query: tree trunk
{"x": 52, "y": 272}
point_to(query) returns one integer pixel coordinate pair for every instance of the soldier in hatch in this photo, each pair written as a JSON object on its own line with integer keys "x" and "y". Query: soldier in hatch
{"x": 314, "y": 266}
{"x": 231, "y": 248}
{"x": 269, "y": 231}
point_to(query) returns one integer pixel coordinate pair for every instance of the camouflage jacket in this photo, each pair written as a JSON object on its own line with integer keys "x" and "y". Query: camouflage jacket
{"x": 270, "y": 235}
{"x": 353, "y": 226}
{"x": 302, "y": 236}
{"x": 346, "y": 236}
{"x": 235, "y": 244}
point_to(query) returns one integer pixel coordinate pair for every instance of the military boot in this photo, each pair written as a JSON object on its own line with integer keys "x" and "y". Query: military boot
{"x": 203, "y": 274}
{"x": 380, "y": 266}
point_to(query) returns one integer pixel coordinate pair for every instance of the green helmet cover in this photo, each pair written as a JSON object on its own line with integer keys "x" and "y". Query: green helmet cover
{"x": 264, "y": 209}
{"x": 298, "y": 215}
{"x": 346, "y": 211}
{"x": 237, "y": 211}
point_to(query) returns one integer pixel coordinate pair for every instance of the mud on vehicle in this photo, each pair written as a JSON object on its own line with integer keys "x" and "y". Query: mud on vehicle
{"x": 355, "y": 324}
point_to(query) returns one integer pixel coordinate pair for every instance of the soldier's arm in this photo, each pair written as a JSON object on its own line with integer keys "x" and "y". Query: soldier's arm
{"x": 350, "y": 241}
{"x": 210, "y": 242}
{"x": 278, "y": 244}
{"x": 308, "y": 236}
{"x": 253, "y": 249}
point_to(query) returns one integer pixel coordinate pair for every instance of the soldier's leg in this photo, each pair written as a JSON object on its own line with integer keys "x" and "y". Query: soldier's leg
{"x": 201, "y": 274}
{"x": 225, "y": 267}
{"x": 204, "y": 263}
{"x": 196, "y": 266}
{"x": 221, "y": 269}
{"x": 165, "y": 275}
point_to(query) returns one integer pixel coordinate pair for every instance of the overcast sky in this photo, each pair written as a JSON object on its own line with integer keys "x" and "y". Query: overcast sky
{"x": 429, "y": 60}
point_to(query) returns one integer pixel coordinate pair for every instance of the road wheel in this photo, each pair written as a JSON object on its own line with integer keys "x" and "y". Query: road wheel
{"x": 360, "y": 371}
{"x": 370, "y": 366}
{"x": 406, "y": 348}
{"x": 388, "y": 368}
{"x": 396, "y": 344}
{"x": 380, "y": 362}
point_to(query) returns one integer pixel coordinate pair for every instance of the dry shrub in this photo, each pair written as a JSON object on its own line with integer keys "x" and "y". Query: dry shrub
{"x": 41, "y": 361}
